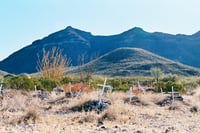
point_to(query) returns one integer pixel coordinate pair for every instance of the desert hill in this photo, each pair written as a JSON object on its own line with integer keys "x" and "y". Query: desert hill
{"x": 133, "y": 61}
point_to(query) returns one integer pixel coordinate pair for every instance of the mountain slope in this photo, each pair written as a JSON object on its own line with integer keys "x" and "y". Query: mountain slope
{"x": 74, "y": 42}
{"x": 2, "y": 73}
{"x": 134, "y": 61}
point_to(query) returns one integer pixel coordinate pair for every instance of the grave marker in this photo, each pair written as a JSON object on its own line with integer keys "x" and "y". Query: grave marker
{"x": 102, "y": 92}
{"x": 1, "y": 90}
{"x": 1, "y": 87}
{"x": 172, "y": 93}
{"x": 35, "y": 88}
{"x": 140, "y": 88}
{"x": 161, "y": 91}
{"x": 130, "y": 93}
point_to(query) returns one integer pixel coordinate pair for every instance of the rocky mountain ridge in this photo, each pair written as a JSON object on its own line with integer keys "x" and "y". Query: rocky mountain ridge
{"x": 74, "y": 42}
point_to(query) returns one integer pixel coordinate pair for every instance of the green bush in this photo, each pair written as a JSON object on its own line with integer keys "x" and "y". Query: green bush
{"x": 37, "y": 83}
{"x": 167, "y": 87}
{"x": 169, "y": 77}
{"x": 120, "y": 84}
{"x": 20, "y": 82}
{"x": 48, "y": 84}
{"x": 65, "y": 80}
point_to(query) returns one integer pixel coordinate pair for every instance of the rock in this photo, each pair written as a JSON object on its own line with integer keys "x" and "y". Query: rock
{"x": 135, "y": 100}
{"x": 138, "y": 131}
{"x": 100, "y": 123}
{"x": 168, "y": 100}
{"x": 194, "y": 109}
{"x": 91, "y": 105}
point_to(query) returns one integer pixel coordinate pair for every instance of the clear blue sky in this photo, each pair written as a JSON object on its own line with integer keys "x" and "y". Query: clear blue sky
{"x": 23, "y": 21}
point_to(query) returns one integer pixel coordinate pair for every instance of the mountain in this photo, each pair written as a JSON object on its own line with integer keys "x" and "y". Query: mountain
{"x": 2, "y": 73}
{"x": 74, "y": 42}
{"x": 131, "y": 62}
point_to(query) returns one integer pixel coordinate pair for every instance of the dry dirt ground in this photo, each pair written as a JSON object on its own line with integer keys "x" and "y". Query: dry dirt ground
{"x": 23, "y": 112}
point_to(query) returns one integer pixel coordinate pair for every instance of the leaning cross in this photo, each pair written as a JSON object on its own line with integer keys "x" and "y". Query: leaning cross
{"x": 102, "y": 92}
{"x": 140, "y": 88}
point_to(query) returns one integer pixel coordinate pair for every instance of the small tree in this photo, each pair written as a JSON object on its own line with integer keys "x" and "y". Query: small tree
{"x": 156, "y": 73}
{"x": 53, "y": 64}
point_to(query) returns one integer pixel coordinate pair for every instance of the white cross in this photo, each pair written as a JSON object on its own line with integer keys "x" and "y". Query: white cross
{"x": 161, "y": 90}
{"x": 35, "y": 87}
{"x": 140, "y": 88}
{"x": 172, "y": 93}
{"x": 131, "y": 93}
{"x": 104, "y": 85}
{"x": 1, "y": 88}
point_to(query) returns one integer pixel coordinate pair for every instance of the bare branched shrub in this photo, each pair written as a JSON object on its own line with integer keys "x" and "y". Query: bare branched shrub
{"x": 53, "y": 64}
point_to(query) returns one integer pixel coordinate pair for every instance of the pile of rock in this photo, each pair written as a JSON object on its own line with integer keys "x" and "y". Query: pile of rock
{"x": 92, "y": 105}
{"x": 169, "y": 100}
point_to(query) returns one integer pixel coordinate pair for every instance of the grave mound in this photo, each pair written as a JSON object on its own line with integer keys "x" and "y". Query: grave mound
{"x": 169, "y": 100}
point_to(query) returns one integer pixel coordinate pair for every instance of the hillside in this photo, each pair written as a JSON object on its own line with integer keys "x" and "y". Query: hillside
{"x": 2, "y": 73}
{"x": 134, "y": 61}
{"x": 74, "y": 42}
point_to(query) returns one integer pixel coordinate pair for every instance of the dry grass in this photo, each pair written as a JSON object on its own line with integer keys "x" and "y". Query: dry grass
{"x": 21, "y": 112}
{"x": 53, "y": 64}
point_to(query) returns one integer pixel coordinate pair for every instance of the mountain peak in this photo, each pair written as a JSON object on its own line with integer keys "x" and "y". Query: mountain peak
{"x": 69, "y": 28}
{"x": 75, "y": 30}
{"x": 135, "y": 30}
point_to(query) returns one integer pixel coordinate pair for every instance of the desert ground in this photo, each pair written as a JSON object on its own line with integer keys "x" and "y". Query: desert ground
{"x": 22, "y": 111}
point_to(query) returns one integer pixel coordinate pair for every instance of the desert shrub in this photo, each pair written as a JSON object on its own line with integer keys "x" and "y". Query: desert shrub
{"x": 65, "y": 80}
{"x": 120, "y": 84}
{"x": 189, "y": 82}
{"x": 167, "y": 87}
{"x": 53, "y": 64}
{"x": 114, "y": 83}
{"x": 1, "y": 79}
{"x": 156, "y": 73}
{"x": 37, "y": 83}
{"x": 169, "y": 77}
{"x": 48, "y": 83}
{"x": 20, "y": 82}
{"x": 96, "y": 81}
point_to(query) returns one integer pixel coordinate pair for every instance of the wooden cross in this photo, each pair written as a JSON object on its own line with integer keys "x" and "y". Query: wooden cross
{"x": 131, "y": 93}
{"x": 35, "y": 87}
{"x": 172, "y": 93}
{"x": 1, "y": 87}
{"x": 1, "y": 90}
{"x": 140, "y": 88}
{"x": 102, "y": 92}
{"x": 161, "y": 91}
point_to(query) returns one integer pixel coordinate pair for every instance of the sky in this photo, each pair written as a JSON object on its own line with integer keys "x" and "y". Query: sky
{"x": 23, "y": 21}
